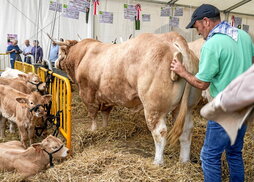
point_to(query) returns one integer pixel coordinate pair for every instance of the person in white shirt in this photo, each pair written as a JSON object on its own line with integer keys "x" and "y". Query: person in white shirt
{"x": 27, "y": 50}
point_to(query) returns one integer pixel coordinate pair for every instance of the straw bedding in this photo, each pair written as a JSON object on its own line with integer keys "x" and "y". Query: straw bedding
{"x": 124, "y": 151}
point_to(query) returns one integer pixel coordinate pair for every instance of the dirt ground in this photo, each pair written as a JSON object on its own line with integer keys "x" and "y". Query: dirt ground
{"x": 124, "y": 151}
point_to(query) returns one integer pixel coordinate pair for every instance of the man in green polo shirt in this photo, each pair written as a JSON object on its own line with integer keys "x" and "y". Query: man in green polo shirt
{"x": 226, "y": 54}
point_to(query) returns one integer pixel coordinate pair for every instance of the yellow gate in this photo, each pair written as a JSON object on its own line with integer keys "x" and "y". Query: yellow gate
{"x": 4, "y": 61}
{"x": 25, "y": 67}
{"x": 60, "y": 89}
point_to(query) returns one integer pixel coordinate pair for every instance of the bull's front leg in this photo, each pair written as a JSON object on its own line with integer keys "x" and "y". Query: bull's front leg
{"x": 92, "y": 113}
{"x": 156, "y": 124}
{"x": 185, "y": 138}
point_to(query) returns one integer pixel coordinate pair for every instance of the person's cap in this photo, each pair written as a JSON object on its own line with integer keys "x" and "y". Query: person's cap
{"x": 205, "y": 10}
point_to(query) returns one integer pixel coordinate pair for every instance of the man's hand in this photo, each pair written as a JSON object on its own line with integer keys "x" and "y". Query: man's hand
{"x": 177, "y": 67}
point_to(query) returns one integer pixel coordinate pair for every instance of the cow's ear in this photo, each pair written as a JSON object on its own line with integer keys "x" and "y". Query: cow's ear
{"x": 47, "y": 98}
{"x": 37, "y": 146}
{"x": 22, "y": 76}
{"x": 22, "y": 101}
{"x": 42, "y": 86}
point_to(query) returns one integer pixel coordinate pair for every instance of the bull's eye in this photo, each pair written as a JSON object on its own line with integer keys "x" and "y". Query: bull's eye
{"x": 55, "y": 147}
{"x": 31, "y": 103}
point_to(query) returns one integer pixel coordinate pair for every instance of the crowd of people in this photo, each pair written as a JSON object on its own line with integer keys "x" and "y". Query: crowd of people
{"x": 30, "y": 53}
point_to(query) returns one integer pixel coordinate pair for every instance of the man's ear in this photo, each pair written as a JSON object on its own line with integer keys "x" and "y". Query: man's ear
{"x": 22, "y": 101}
{"x": 37, "y": 147}
{"x": 22, "y": 76}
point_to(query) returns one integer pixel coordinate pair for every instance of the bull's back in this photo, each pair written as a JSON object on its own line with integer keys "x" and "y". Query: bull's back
{"x": 119, "y": 73}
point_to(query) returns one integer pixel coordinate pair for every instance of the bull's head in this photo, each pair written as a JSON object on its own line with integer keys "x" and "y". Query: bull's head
{"x": 63, "y": 51}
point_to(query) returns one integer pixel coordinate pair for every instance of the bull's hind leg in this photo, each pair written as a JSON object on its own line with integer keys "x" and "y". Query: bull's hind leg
{"x": 185, "y": 138}
{"x": 157, "y": 126}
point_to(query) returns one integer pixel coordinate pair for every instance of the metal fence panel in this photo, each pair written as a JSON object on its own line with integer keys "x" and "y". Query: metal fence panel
{"x": 4, "y": 61}
{"x": 60, "y": 89}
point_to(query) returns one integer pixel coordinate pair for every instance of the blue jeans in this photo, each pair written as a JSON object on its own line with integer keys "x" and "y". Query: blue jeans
{"x": 216, "y": 141}
{"x": 12, "y": 64}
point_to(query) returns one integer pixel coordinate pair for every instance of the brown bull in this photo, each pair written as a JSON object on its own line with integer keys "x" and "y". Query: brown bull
{"x": 136, "y": 74}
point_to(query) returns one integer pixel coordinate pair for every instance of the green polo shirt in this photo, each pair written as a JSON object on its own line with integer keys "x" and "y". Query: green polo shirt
{"x": 223, "y": 59}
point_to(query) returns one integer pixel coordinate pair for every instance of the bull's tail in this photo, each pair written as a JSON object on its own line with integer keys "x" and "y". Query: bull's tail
{"x": 177, "y": 129}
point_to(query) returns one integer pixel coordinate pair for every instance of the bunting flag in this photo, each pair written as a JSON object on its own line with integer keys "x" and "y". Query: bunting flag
{"x": 137, "y": 19}
{"x": 233, "y": 21}
{"x": 95, "y": 4}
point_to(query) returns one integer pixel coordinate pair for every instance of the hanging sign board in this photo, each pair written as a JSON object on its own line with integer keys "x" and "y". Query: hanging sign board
{"x": 246, "y": 28}
{"x": 11, "y": 37}
{"x": 174, "y": 21}
{"x": 238, "y": 22}
{"x": 165, "y": 11}
{"x": 81, "y": 5}
{"x": 105, "y": 17}
{"x": 146, "y": 17}
{"x": 179, "y": 11}
{"x": 54, "y": 6}
{"x": 70, "y": 11}
{"x": 130, "y": 12}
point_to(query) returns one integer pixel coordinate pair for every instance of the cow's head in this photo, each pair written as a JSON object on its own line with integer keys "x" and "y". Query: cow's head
{"x": 35, "y": 80}
{"x": 52, "y": 146}
{"x": 35, "y": 103}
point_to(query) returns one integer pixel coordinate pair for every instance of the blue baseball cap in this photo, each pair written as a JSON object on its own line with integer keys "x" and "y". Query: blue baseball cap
{"x": 205, "y": 10}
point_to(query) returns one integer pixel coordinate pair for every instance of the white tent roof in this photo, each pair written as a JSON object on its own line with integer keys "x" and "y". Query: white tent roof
{"x": 238, "y": 6}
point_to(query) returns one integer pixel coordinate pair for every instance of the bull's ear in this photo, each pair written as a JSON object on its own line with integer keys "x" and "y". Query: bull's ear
{"x": 22, "y": 76}
{"x": 47, "y": 97}
{"x": 37, "y": 146}
{"x": 22, "y": 101}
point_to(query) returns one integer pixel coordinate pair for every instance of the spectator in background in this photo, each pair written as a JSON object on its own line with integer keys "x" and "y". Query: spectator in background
{"x": 14, "y": 51}
{"x": 53, "y": 54}
{"x": 37, "y": 52}
{"x": 27, "y": 50}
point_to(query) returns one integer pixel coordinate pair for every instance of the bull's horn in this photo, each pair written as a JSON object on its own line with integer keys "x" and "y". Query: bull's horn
{"x": 58, "y": 43}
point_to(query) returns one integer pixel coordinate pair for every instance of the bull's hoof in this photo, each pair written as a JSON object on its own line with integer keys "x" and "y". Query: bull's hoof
{"x": 184, "y": 160}
{"x": 93, "y": 128}
{"x": 12, "y": 130}
{"x": 158, "y": 162}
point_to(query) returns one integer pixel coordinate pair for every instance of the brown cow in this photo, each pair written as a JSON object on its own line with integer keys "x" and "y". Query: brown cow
{"x": 21, "y": 109}
{"x": 22, "y": 82}
{"x": 28, "y": 162}
{"x": 136, "y": 74}
{"x": 25, "y": 83}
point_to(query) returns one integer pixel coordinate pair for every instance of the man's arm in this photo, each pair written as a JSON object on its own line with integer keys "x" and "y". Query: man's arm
{"x": 179, "y": 69}
{"x": 9, "y": 50}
